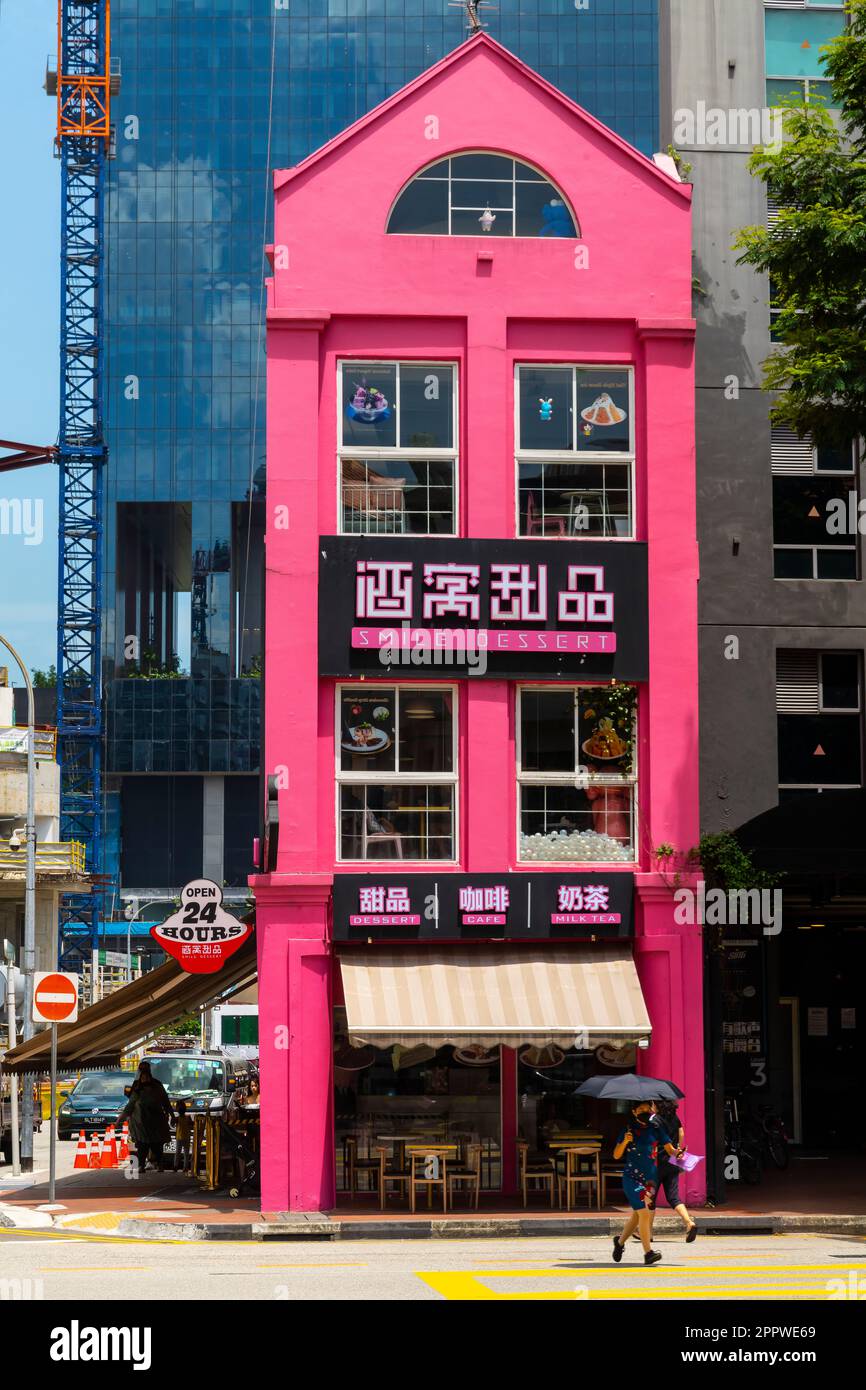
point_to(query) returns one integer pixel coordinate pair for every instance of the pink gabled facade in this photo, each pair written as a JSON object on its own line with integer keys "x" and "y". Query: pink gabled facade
{"x": 616, "y": 296}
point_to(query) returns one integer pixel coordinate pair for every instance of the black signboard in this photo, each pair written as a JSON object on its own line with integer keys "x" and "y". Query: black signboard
{"x": 500, "y": 609}
{"x": 461, "y": 907}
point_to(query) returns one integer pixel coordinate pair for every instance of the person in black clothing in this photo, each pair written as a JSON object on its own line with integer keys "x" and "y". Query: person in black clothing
{"x": 667, "y": 1121}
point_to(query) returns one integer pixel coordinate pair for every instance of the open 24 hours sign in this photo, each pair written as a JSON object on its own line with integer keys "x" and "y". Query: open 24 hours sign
{"x": 201, "y": 935}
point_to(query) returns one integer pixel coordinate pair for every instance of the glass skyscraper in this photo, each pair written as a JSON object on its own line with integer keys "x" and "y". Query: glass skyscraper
{"x": 214, "y": 93}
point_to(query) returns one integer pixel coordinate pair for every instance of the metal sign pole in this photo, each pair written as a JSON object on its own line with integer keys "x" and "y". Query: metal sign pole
{"x": 13, "y": 1083}
{"x": 52, "y": 1138}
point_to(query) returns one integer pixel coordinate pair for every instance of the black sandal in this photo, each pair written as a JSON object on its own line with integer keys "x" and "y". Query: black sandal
{"x": 618, "y": 1250}
{"x": 692, "y": 1233}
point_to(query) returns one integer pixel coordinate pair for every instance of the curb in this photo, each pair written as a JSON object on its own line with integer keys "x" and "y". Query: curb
{"x": 317, "y": 1226}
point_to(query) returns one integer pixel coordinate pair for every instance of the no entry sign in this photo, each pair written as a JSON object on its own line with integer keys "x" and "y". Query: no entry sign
{"x": 55, "y": 997}
{"x": 202, "y": 935}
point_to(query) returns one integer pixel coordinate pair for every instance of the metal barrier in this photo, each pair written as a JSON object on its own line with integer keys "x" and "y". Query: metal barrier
{"x": 64, "y": 858}
{"x": 14, "y": 740}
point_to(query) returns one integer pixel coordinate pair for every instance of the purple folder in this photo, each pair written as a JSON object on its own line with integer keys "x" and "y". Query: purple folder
{"x": 688, "y": 1162}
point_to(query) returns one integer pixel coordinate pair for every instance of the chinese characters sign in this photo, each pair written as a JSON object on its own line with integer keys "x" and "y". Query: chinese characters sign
{"x": 534, "y": 608}
{"x": 527, "y": 906}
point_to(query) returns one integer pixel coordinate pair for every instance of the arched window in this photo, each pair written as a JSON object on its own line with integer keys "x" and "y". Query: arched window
{"x": 482, "y": 194}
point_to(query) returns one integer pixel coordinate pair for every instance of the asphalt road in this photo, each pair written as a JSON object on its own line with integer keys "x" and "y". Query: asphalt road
{"x": 785, "y": 1267}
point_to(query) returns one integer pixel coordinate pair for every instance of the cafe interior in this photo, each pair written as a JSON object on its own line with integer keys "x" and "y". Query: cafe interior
{"x": 439, "y": 1127}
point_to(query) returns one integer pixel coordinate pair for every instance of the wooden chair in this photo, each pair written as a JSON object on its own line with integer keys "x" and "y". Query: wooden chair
{"x": 393, "y": 1175}
{"x": 419, "y": 1176}
{"x": 610, "y": 1173}
{"x": 356, "y": 1167}
{"x": 468, "y": 1172}
{"x": 574, "y": 1176}
{"x": 536, "y": 1170}
{"x": 537, "y": 524}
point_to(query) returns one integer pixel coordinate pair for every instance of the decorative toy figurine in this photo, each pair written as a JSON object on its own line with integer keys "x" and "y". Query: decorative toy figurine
{"x": 546, "y": 410}
{"x": 556, "y": 219}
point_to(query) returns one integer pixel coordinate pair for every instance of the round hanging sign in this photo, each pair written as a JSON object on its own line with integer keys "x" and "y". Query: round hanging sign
{"x": 201, "y": 935}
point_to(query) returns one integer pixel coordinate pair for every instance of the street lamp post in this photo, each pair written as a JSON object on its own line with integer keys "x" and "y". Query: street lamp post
{"x": 131, "y": 915}
{"x": 28, "y": 955}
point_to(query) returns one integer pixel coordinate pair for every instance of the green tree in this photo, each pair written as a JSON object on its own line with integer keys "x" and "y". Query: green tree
{"x": 815, "y": 255}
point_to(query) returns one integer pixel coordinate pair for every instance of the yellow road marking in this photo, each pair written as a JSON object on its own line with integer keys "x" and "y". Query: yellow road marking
{"x": 467, "y": 1285}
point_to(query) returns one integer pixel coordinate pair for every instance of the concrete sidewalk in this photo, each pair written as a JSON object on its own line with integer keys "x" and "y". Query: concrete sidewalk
{"x": 170, "y": 1206}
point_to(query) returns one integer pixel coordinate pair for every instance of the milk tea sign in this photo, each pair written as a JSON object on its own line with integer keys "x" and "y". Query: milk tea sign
{"x": 202, "y": 935}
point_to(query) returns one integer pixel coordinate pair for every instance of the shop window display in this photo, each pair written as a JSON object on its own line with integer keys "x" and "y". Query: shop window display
{"x": 577, "y": 774}
{"x": 397, "y": 772}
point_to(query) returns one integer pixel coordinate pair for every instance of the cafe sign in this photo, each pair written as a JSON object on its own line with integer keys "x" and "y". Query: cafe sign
{"x": 202, "y": 935}
{"x": 529, "y": 907}
{"x": 501, "y": 609}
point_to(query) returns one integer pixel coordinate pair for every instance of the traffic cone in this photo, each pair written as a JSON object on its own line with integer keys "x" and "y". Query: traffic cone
{"x": 81, "y": 1152}
{"x": 109, "y": 1149}
{"x": 95, "y": 1152}
{"x": 123, "y": 1152}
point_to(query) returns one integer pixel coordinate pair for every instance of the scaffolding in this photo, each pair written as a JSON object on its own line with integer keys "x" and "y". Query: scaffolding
{"x": 83, "y": 79}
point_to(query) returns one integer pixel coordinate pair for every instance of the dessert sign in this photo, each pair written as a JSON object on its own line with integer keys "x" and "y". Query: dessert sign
{"x": 503, "y": 609}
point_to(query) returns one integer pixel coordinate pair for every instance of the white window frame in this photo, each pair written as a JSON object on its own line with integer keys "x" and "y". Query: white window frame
{"x": 569, "y": 779}
{"x": 449, "y": 179}
{"x": 839, "y": 710}
{"x": 383, "y": 778}
{"x": 575, "y": 456}
{"x": 854, "y": 473}
{"x": 806, "y": 82}
{"x": 392, "y": 452}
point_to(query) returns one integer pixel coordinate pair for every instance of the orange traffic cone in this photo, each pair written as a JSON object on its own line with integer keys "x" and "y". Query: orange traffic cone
{"x": 81, "y": 1152}
{"x": 95, "y": 1152}
{"x": 109, "y": 1149}
{"x": 123, "y": 1152}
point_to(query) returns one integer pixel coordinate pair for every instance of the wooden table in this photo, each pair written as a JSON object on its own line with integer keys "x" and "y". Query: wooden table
{"x": 401, "y": 1140}
{"x": 574, "y": 1154}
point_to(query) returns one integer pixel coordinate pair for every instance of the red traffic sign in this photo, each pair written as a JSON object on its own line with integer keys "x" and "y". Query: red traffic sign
{"x": 202, "y": 935}
{"x": 55, "y": 997}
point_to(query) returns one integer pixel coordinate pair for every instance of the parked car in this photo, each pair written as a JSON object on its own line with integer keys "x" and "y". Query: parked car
{"x": 196, "y": 1077}
{"x": 95, "y": 1101}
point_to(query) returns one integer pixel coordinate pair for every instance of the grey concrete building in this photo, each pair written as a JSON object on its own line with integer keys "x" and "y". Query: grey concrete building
{"x": 782, "y": 598}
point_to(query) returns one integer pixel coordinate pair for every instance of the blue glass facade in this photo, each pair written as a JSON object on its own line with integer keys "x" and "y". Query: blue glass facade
{"x": 187, "y": 215}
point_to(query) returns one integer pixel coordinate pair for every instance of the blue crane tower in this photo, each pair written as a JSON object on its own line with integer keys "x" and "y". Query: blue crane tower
{"x": 83, "y": 79}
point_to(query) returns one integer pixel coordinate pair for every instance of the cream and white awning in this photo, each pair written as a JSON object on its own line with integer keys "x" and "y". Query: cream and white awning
{"x": 485, "y": 996}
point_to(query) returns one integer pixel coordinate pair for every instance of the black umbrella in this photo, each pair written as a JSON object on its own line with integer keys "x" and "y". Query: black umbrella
{"x": 629, "y": 1087}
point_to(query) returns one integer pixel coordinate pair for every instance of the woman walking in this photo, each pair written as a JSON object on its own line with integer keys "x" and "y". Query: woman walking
{"x": 148, "y": 1111}
{"x": 638, "y": 1145}
{"x": 672, "y": 1141}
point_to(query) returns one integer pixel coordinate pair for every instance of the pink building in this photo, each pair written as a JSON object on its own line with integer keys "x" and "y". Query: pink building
{"x": 481, "y": 649}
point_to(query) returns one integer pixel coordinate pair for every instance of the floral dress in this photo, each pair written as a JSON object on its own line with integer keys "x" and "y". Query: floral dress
{"x": 640, "y": 1174}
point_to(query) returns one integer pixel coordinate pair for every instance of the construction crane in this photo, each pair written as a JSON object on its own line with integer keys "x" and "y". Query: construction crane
{"x": 83, "y": 78}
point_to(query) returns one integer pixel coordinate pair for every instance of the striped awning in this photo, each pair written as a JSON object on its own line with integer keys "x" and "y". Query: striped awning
{"x": 584, "y": 995}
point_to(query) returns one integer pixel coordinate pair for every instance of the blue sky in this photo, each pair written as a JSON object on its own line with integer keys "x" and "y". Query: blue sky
{"x": 29, "y": 333}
